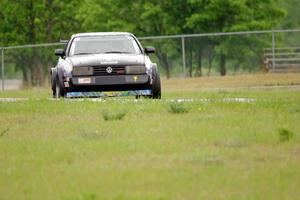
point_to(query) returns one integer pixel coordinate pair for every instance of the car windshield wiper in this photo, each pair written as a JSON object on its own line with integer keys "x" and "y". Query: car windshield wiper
{"x": 116, "y": 52}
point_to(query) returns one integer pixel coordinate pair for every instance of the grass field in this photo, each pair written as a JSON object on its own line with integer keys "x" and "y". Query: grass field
{"x": 224, "y": 140}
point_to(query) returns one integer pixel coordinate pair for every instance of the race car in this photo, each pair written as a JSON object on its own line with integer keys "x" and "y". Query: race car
{"x": 105, "y": 61}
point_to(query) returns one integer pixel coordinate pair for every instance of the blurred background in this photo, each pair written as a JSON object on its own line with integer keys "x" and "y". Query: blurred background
{"x": 193, "y": 38}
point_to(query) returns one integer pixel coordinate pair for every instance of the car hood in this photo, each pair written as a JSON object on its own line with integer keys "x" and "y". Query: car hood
{"x": 107, "y": 59}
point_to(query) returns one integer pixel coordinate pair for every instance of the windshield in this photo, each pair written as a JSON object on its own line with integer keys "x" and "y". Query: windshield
{"x": 104, "y": 44}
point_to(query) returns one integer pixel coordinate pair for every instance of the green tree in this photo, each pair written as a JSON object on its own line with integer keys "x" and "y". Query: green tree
{"x": 39, "y": 21}
{"x": 292, "y": 19}
{"x": 233, "y": 15}
{"x": 36, "y": 21}
{"x": 141, "y": 17}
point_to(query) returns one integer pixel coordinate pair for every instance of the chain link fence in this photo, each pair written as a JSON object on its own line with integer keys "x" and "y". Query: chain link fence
{"x": 190, "y": 55}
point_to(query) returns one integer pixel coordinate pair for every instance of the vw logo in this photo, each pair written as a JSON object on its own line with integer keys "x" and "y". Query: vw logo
{"x": 109, "y": 70}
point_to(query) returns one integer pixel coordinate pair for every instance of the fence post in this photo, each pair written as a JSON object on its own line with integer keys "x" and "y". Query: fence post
{"x": 2, "y": 67}
{"x": 183, "y": 55}
{"x": 273, "y": 51}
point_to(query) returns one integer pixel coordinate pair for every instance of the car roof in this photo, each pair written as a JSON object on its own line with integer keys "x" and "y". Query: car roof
{"x": 100, "y": 34}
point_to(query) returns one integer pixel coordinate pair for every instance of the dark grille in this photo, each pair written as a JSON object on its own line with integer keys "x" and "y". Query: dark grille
{"x": 101, "y": 70}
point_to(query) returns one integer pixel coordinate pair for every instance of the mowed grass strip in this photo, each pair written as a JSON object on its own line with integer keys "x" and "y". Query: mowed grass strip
{"x": 215, "y": 150}
{"x": 238, "y": 81}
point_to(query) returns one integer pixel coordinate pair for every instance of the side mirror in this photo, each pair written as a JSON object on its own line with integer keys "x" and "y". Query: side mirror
{"x": 149, "y": 50}
{"x": 60, "y": 52}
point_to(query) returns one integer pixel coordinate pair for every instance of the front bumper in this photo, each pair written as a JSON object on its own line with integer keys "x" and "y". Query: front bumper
{"x": 110, "y": 80}
{"x": 109, "y": 83}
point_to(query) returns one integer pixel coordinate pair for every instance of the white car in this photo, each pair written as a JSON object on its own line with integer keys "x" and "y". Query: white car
{"x": 110, "y": 61}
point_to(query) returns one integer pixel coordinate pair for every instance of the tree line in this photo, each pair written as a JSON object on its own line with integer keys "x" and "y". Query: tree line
{"x": 45, "y": 21}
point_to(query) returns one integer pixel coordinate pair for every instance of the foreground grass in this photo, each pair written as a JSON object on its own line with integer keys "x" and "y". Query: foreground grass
{"x": 216, "y": 149}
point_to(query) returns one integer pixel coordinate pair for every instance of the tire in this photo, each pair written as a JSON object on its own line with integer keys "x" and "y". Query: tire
{"x": 53, "y": 76}
{"x": 156, "y": 84}
{"x": 57, "y": 85}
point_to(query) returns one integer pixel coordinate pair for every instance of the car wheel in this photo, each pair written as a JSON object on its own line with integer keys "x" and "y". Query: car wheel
{"x": 156, "y": 84}
{"x": 59, "y": 91}
{"x": 53, "y": 76}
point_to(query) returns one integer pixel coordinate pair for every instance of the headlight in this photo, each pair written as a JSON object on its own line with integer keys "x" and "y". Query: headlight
{"x": 135, "y": 69}
{"x": 82, "y": 71}
{"x": 67, "y": 69}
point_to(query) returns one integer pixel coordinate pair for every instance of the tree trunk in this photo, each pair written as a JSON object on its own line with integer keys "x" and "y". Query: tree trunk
{"x": 167, "y": 65}
{"x": 31, "y": 39}
{"x": 163, "y": 58}
{"x": 223, "y": 65}
{"x": 209, "y": 67}
{"x": 26, "y": 72}
{"x": 199, "y": 65}
{"x": 49, "y": 20}
{"x": 210, "y": 55}
{"x": 191, "y": 62}
{"x": 39, "y": 72}
{"x": 236, "y": 67}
